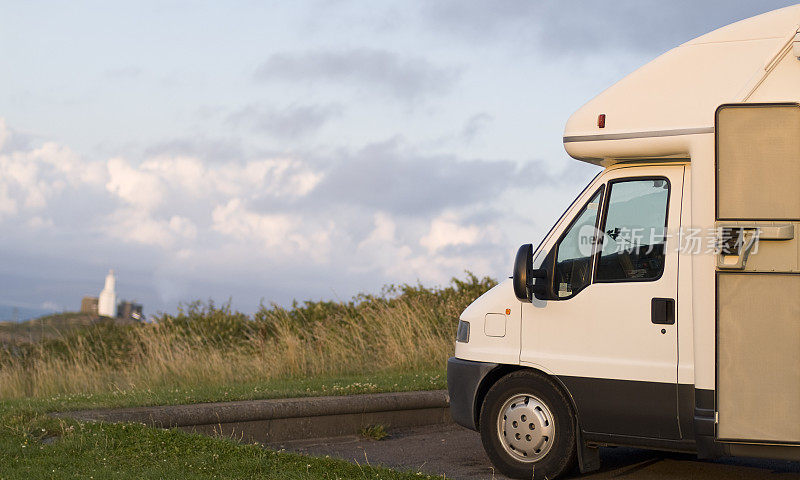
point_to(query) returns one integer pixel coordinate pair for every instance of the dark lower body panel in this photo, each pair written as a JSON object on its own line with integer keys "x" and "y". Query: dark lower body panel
{"x": 634, "y": 413}
{"x": 661, "y": 416}
{"x": 464, "y": 380}
{"x": 626, "y": 408}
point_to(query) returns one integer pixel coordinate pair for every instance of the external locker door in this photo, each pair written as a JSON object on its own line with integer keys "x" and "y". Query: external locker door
{"x": 758, "y": 279}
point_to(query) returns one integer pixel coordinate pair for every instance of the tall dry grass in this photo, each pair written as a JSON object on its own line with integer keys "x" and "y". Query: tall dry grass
{"x": 405, "y": 328}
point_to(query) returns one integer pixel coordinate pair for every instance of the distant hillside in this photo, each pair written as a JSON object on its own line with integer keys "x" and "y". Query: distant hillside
{"x": 46, "y": 327}
{"x": 10, "y": 313}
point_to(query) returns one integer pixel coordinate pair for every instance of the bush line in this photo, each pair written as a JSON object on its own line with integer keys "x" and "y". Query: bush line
{"x": 406, "y": 327}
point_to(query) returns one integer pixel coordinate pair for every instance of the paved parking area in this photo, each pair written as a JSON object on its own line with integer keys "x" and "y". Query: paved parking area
{"x": 457, "y": 453}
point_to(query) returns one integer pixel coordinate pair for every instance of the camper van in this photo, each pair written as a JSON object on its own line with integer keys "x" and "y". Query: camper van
{"x": 662, "y": 310}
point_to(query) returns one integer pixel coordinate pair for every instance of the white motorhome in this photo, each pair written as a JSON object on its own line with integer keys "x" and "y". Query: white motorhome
{"x": 663, "y": 309}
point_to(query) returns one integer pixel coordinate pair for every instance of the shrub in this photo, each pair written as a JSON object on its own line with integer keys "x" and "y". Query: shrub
{"x": 405, "y": 327}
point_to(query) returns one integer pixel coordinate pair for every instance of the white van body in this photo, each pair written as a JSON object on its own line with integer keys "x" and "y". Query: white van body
{"x": 670, "y": 348}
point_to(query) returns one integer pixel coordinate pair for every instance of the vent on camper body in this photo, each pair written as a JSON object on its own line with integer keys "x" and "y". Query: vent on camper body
{"x": 601, "y": 120}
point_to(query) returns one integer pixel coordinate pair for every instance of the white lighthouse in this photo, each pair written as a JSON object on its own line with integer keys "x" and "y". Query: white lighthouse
{"x": 107, "y": 303}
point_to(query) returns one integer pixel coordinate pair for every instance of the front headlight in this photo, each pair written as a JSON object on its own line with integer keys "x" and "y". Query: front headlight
{"x": 462, "y": 334}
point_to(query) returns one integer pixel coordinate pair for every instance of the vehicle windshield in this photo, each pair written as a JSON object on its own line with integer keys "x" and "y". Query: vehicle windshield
{"x": 538, "y": 255}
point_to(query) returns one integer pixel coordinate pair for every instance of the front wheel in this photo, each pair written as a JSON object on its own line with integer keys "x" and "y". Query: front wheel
{"x": 527, "y": 427}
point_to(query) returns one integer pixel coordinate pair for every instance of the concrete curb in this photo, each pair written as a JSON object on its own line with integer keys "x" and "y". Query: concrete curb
{"x": 275, "y": 420}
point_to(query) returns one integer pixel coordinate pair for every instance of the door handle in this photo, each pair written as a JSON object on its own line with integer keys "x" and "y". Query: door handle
{"x": 737, "y": 239}
{"x": 743, "y": 243}
{"x": 662, "y": 311}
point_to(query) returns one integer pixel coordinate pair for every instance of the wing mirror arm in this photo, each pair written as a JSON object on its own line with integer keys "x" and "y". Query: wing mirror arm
{"x": 539, "y": 273}
{"x": 528, "y": 281}
{"x": 537, "y": 288}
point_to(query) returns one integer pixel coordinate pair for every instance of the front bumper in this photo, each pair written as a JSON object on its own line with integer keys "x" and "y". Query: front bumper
{"x": 464, "y": 379}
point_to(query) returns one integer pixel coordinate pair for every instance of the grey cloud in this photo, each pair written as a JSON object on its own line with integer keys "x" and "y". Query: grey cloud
{"x": 17, "y": 141}
{"x": 387, "y": 177}
{"x": 474, "y": 125}
{"x": 534, "y": 173}
{"x": 384, "y": 178}
{"x": 585, "y": 28}
{"x": 205, "y": 148}
{"x": 408, "y": 78}
{"x": 289, "y": 122}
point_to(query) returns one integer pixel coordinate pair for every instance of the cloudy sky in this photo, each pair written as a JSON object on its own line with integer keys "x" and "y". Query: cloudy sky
{"x": 309, "y": 149}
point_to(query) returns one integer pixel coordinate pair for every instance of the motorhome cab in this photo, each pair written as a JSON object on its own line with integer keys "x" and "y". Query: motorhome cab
{"x": 663, "y": 309}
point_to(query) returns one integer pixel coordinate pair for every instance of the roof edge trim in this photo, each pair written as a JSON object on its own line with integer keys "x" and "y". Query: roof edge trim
{"x": 627, "y": 136}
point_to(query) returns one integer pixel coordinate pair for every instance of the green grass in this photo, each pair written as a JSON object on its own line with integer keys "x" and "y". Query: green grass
{"x": 396, "y": 341}
{"x": 34, "y": 446}
{"x": 374, "y": 432}
{"x": 274, "y": 388}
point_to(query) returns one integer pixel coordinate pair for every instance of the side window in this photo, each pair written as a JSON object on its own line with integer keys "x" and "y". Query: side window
{"x": 573, "y": 268}
{"x": 634, "y": 231}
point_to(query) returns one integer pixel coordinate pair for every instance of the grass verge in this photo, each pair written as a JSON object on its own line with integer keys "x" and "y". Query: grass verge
{"x": 35, "y": 446}
{"x": 381, "y": 382}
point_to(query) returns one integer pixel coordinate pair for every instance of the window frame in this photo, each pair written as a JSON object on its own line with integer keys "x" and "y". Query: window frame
{"x": 599, "y": 251}
{"x": 601, "y": 189}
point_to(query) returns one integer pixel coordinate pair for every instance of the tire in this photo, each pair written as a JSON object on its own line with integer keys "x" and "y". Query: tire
{"x": 527, "y": 427}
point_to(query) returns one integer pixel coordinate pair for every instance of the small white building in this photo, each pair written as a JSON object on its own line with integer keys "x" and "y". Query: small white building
{"x": 107, "y": 303}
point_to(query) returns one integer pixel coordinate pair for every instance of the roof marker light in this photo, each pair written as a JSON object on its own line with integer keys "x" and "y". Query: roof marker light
{"x": 601, "y": 120}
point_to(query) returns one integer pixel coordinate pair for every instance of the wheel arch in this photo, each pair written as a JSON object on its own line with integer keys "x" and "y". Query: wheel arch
{"x": 501, "y": 371}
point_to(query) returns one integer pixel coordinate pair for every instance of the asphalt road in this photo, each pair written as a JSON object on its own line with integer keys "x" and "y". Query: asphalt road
{"x": 457, "y": 453}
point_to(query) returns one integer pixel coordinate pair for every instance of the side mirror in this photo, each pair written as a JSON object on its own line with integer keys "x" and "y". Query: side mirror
{"x": 524, "y": 274}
